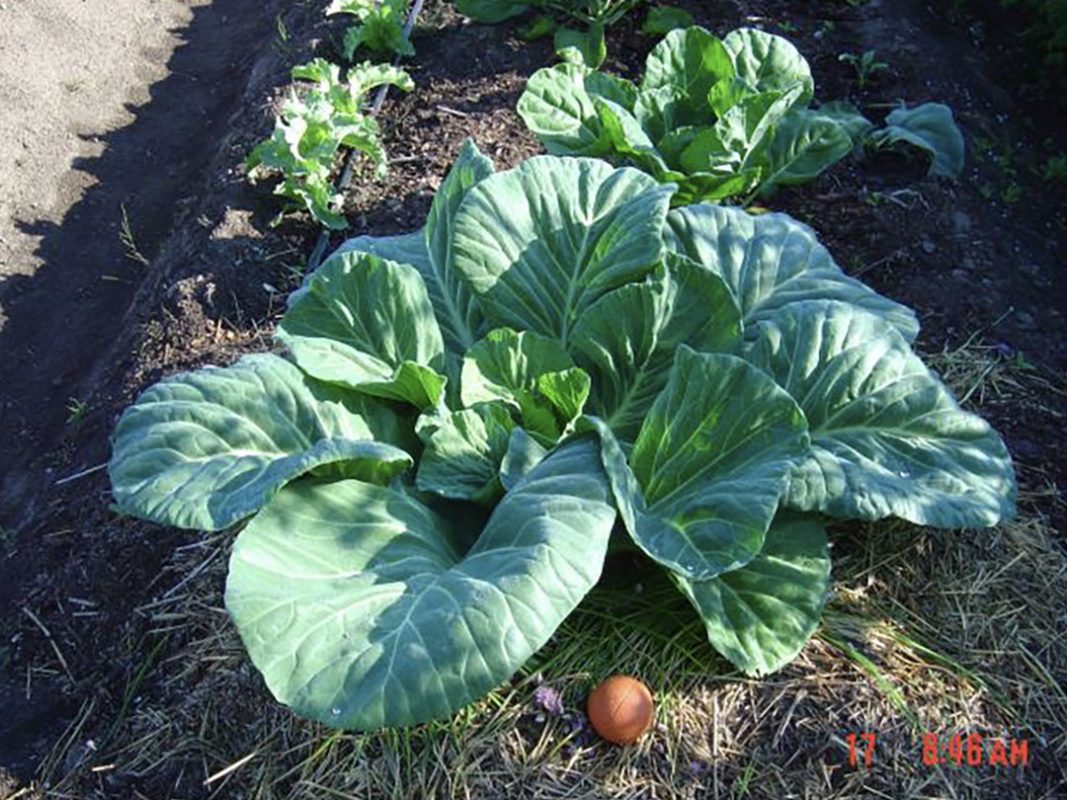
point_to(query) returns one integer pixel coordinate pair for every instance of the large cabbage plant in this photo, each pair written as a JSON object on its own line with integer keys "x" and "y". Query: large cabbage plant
{"x": 720, "y": 118}
{"x": 431, "y": 473}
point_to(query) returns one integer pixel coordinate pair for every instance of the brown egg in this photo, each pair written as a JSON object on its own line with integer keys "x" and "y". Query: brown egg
{"x": 621, "y": 709}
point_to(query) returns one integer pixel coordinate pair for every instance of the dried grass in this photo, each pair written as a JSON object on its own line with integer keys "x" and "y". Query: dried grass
{"x": 927, "y": 632}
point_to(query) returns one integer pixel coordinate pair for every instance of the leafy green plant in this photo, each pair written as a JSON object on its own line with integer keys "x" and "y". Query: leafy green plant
{"x": 930, "y": 128}
{"x": 379, "y": 27}
{"x": 435, "y": 470}
{"x": 1048, "y": 29}
{"x": 327, "y": 114}
{"x": 1054, "y": 170}
{"x": 720, "y": 119}
{"x": 866, "y": 65}
{"x": 661, "y": 20}
{"x": 586, "y": 47}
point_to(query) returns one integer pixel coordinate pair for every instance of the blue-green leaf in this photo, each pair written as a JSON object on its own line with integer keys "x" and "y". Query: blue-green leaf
{"x": 464, "y": 452}
{"x": 367, "y": 323}
{"x": 689, "y": 60}
{"x": 361, "y": 611}
{"x": 805, "y": 143}
{"x": 429, "y": 251}
{"x": 769, "y": 63}
{"x": 931, "y": 128}
{"x": 540, "y": 243}
{"x": 888, "y": 439}
{"x": 760, "y": 616}
{"x": 558, "y": 107}
{"x": 627, "y": 340}
{"x": 205, "y": 449}
{"x": 523, "y": 454}
{"x": 709, "y": 465}
{"x": 770, "y": 261}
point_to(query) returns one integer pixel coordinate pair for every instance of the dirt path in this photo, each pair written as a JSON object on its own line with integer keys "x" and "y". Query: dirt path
{"x": 106, "y": 107}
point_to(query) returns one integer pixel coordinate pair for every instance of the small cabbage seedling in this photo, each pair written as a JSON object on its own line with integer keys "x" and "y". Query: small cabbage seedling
{"x": 379, "y": 27}
{"x": 865, "y": 64}
{"x": 325, "y": 115}
{"x": 465, "y": 415}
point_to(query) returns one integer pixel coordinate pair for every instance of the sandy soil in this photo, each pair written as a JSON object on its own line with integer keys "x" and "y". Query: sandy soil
{"x": 69, "y": 73}
{"x": 109, "y": 113}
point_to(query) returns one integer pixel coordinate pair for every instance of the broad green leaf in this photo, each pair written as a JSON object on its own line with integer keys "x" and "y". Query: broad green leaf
{"x": 711, "y": 187}
{"x": 429, "y": 251}
{"x": 361, "y": 612}
{"x": 628, "y": 137}
{"x": 929, "y": 127}
{"x": 490, "y": 11}
{"x": 727, "y": 93}
{"x": 367, "y": 323}
{"x": 760, "y": 616}
{"x": 540, "y": 243}
{"x": 584, "y": 48}
{"x": 405, "y": 248}
{"x": 532, "y": 373}
{"x": 739, "y": 138}
{"x": 523, "y": 454}
{"x": 769, "y": 63}
{"x": 464, "y": 452}
{"x": 805, "y": 144}
{"x": 666, "y": 111}
{"x": 691, "y": 61}
{"x": 664, "y": 19}
{"x": 709, "y": 465}
{"x": 453, "y": 302}
{"x": 848, "y": 116}
{"x": 888, "y": 439}
{"x": 205, "y": 449}
{"x": 557, "y": 106}
{"x": 627, "y": 340}
{"x": 770, "y": 261}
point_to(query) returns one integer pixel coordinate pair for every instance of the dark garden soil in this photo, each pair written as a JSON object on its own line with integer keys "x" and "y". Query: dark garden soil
{"x": 982, "y": 257}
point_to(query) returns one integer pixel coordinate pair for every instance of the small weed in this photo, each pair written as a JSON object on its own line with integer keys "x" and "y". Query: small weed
{"x": 76, "y": 410}
{"x": 865, "y": 65}
{"x": 1055, "y": 169}
{"x": 128, "y": 241}
{"x": 1018, "y": 360}
{"x": 1011, "y": 194}
{"x": 283, "y": 42}
{"x": 787, "y": 26}
{"x": 874, "y": 199}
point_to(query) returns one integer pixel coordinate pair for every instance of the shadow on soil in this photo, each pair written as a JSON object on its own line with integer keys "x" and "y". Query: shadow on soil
{"x": 63, "y": 318}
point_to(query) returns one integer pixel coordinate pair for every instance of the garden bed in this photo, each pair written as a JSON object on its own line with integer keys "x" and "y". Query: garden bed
{"x": 125, "y": 677}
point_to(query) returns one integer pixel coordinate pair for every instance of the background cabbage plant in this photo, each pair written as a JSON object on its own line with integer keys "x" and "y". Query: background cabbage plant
{"x": 464, "y": 414}
{"x": 720, "y": 118}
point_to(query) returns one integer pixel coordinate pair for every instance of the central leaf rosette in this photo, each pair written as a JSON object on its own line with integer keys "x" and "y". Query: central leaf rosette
{"x": 465, "y": 412}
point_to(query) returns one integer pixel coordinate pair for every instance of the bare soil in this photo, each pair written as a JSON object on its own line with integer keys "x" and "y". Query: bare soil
{"x": 79, "y": 646}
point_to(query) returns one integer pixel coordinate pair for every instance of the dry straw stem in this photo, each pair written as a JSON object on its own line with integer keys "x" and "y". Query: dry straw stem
{"x": 927, "y": 631}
